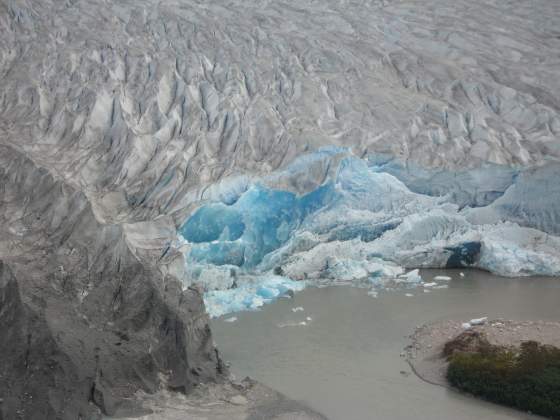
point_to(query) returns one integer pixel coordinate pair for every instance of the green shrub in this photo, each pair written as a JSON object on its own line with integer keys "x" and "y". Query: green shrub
{"x": 527, "y": 378}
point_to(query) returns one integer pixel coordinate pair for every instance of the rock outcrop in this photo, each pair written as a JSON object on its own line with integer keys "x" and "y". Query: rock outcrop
{"x": 84, "y": 324}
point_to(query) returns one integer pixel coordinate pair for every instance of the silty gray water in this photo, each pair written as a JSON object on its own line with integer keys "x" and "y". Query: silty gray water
{"x": 346, "y": 361}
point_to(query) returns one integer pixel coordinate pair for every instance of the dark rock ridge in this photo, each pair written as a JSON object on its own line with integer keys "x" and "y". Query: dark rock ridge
{"x": 83, "y": 323}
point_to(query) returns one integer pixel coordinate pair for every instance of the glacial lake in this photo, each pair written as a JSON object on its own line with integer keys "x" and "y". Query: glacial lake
{"x": 346, "y": 362}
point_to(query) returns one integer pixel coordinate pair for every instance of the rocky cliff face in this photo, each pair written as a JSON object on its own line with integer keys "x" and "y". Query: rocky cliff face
{"x": 118, "y": 118}
{"x": 84, "y": 323}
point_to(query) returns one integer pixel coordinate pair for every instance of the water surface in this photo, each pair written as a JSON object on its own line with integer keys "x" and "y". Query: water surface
{"x": 346, "y": 362}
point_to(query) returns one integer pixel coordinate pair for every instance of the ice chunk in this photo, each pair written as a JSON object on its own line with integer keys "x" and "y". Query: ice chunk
{"x": 292, "y": 324}
{"x": 432, "y": 284}
{"x": 409, "y": 295}
{"x": 442, "y": 278}
{"x": 231, "y": 319}
{"x": 462, "y": 274}
{"x": 347, "y": 270}
{"x": 412, "y": 276}
{"x": 297, "y": 309}
{"x": 250, "y": 296}
{"x": 478, "y": 321}
{"x": 465, "y": 325}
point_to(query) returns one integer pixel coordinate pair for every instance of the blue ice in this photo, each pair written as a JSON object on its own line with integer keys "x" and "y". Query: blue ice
{"x": 250, "y": 296}
{"x": 259, "y": 222}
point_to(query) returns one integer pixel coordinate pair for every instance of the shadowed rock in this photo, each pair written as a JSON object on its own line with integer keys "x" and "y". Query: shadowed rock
{"x": 83, "y": 323}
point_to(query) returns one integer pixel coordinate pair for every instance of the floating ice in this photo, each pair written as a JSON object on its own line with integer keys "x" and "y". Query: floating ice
{"x": 432, "y": 284}
{"x": 466, "y": 325}
{"x": 409, "y": 295}
{"x": 249, "y": 296}
{"x": 297, "y": 309}
{"x": 442, "y": 278}
{"x": 231, "y": 319}
{"x": 292, "y": 324}
{"x": 478, "y": 321}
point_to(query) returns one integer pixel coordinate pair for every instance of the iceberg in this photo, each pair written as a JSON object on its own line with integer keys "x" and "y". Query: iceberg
{"x": 412, "y": 277}
{"x": 231, "y": 319}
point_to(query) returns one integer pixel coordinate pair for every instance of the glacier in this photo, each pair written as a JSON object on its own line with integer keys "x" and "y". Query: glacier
{"x": 331, "y": 217}
{"x": 153, "y": 151}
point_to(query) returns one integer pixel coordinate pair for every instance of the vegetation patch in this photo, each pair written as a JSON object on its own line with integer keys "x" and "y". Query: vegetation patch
{"x": 525, "y": 377}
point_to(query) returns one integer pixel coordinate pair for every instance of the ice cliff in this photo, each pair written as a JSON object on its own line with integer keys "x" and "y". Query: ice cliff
{"x": 151, "y": 151}
{"x": 364, "y": 224}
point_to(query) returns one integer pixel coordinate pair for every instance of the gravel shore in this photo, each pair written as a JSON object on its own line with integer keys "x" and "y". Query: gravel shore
{"x": 244, "y": 400}
{"x": 425, "y": 356}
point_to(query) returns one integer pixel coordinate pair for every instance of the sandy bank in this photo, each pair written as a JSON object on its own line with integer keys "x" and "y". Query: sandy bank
{"x": 425, "y": 357}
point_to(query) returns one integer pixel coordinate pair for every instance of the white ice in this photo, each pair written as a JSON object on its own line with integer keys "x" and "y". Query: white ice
{"x": 478, "y": 321}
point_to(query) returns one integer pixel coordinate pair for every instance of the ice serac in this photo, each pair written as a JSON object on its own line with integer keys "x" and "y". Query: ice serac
{"x": 533, "y": 200}
{"x": 147, "y": 147}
